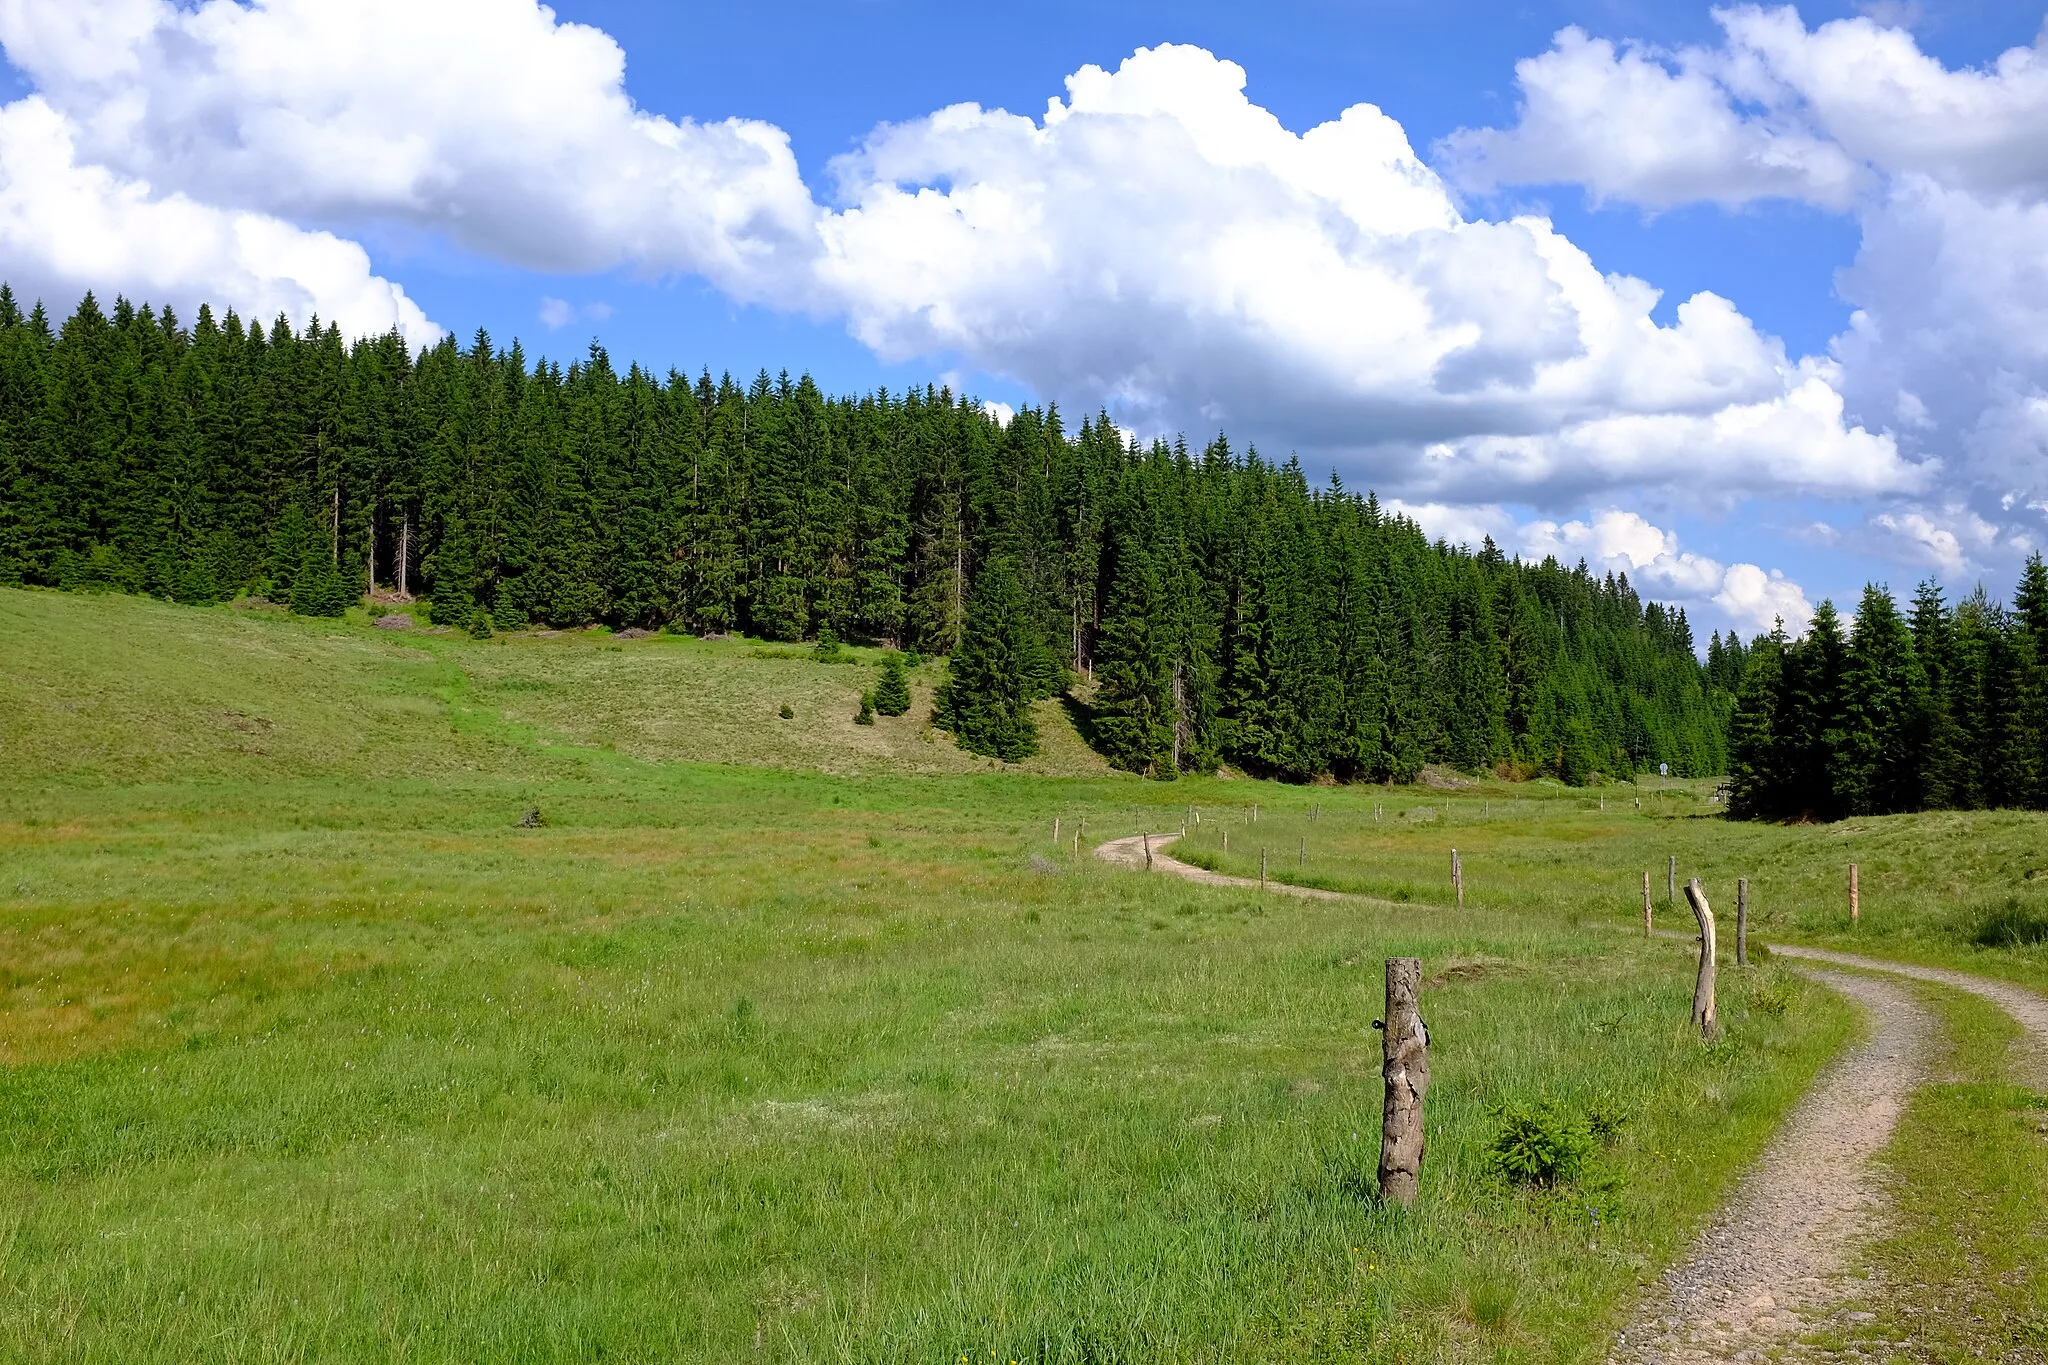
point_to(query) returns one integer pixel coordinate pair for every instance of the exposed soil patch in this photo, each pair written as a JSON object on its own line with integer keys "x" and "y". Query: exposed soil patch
{"x": 1130, "y": 852}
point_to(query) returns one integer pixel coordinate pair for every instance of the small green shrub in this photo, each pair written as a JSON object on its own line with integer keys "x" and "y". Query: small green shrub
{"x": 866, "y": 715}
{"x": 1541, "y": 1146}
{"x": 827, "y": 650}
{"x": 1771, "y": 996}
{"x": 892, "y": 689}
{"x": 786, "y": 713}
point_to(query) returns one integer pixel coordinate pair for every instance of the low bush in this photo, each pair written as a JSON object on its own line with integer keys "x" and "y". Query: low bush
{"x": 1541, "y": 1146}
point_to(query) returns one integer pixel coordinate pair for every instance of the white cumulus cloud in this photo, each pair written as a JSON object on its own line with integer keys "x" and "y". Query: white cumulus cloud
{"x": 66, "y": 227}
{"x": 488, "y": 120}
{"x": 1160, "y": 241}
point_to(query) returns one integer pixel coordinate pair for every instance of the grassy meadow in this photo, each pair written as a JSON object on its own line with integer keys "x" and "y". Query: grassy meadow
{"x": 795, "y": 1040}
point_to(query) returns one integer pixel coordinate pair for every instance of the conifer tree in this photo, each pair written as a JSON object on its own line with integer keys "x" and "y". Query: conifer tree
{"x": 986, "y": 698}
{"x": 1881, "y": 756}
{"x": 892, "y": 689}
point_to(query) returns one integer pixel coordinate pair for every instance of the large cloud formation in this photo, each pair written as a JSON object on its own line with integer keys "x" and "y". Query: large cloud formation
{"x": 1947, "y": 171}
{"x": 1155, "y": 241}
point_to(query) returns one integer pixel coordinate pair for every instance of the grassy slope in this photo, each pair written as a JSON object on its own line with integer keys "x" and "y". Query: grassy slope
{"x": 311, "y": 1052}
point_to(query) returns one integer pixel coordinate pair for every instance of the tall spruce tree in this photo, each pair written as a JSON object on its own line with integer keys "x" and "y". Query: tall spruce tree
{"x": 1882, "y": 754}
{"x": 986, "y": 698}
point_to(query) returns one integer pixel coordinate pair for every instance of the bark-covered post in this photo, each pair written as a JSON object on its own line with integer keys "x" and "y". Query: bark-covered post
{"x": 1703, "y": 985}
{"x": 1671, "y": 881}
{"x": 1304, "y": 853}
{"x": 1742, "y": 921}
{"x": 1647, "y": 915}
{"x": 1404, "y": 1050}
{"x": 1855, "y": 908}
{"x": 1148, "y": 851}
{"x": 1262, "y": 867}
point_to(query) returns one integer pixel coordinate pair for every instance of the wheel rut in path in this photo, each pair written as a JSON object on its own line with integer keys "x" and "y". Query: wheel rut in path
{"x": 1773, "y": 1254}
{"x": 2029, "y": 1010}
{"x": 1130, "y": 852}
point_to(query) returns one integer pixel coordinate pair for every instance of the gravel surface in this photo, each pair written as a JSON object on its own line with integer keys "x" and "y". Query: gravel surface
{"x": 1130, "y": 852}
{"x": 1768, "y": 1263}
{"x": 2029, "y": 1009}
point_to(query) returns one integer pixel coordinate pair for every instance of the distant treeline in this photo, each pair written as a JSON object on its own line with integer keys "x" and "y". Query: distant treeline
{"x": 1945, "y": 709}
{"x": 1226, "y": 610}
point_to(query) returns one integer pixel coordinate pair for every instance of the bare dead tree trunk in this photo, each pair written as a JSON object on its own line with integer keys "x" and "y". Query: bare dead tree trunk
{"x": 1404, "y": 1051}
{"x": 1742, "y": 921}
{"x": 1703, "y": 984}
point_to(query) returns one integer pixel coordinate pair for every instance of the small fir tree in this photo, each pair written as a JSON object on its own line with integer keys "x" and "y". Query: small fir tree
{"x": 892, "y": 689}
{"x": 866, "y": 714}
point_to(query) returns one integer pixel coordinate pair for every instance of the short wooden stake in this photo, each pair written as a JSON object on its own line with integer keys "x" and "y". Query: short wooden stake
{"x": 1304, "y": 853}
{"x": 1262, "y": 867}
{"x": 1458, "y": 877}
{"x": 1855, "y": 908}
{"x": 1671, "y": 881}
{"x": 1055, "y": 829}
{"x": 1226, "y": 841}
{"x": 1646, "y": 905}
{"x": 1703, "y": 984}
{"x": 1742, "y": 921}
{"x": 1148, "y": 851}
{"x": 1404, "y": 1065}
{"x": 1077, "y": 843}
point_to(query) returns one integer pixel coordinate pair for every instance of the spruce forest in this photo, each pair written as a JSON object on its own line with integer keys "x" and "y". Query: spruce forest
{"x": 1217, "y": 607}
{"x": 1945, "y": 708}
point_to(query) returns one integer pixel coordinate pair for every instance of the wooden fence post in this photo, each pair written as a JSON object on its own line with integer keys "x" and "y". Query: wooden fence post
{"x": 1703, "y": 984}
{"x": 1148, "y": 851}
{"x": 1304, "y": 853}
{"x": 1742, "y": 921}
{"x": 1262, "y": 867}
{"x": 1458, "y": 878}
{"x": 1404, "y": 1065}
{"x": 1671, "y": 881}
{"x": 1646, "y": 905}
{"x": 1855, "y": 909}
{"x": 1055, "y": 829}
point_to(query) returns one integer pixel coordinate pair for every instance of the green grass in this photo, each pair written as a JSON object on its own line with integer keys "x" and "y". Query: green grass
{"x": 1963, "y": 1272}
{"x": 309, "y": 1051}
{"x": 1958, "y": 888}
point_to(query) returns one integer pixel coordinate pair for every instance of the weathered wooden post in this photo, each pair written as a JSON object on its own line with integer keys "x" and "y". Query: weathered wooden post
{"x": 1226, "y": 839}
{"x": 1646, "y": 905}
{"x": 1458, "y": 878}
{"x": 1855, "y": 909}
{"x": 1148, "y": 851}
{"x": 1671, "y": 881}
{"x": 1262, "y": 867}
{"x": 1703, "y": 984}
{"x": 1742, "y": 921}
{"x": 1304, "y": 853}
{"x": 1404, "y": 1052}
{"x": 1055, "y": 829}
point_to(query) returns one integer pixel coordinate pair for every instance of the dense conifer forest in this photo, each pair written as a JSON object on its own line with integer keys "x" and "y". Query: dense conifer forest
{"x": 1215, "y": 606}
{"x": 1945, "y": 708}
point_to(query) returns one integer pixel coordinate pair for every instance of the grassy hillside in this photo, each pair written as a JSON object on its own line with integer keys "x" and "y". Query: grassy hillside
{"x": 127, "y": 688}
{"x": 309, "y": 1050}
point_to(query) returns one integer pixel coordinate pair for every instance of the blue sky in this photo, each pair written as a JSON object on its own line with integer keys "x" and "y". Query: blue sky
{"x": 1741, "y": 153}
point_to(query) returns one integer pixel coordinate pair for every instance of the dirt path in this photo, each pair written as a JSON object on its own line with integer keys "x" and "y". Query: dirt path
{"x": 1768, "y": 1264}
{"x": 1130, "y": 852}
{"x": 2028, "y": 1009}
{"x": 1769, "y": 1259}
